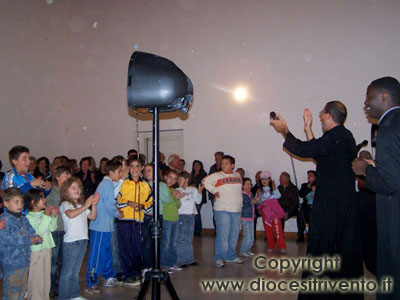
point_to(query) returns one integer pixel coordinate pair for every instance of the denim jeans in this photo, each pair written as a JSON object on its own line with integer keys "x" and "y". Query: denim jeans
{"x": 73, "y": 254}
{"x": 168, "y": 243}
{"x": 184, "y": 245}
{"x": 198, "y": 226}
{"x": 15, "y": 284}
{"x": 228, "y": 225}
{"x": 56, "y": 256}
{"x": 248, "y": 236}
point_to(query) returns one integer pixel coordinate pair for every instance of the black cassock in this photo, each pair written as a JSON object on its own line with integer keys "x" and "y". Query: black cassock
{"x": 333, "y": 227}
{"x": 384, "y": 179}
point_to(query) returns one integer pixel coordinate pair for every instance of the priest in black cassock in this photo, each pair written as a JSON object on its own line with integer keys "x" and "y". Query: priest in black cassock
{"x": 333, "y": 230}
{"x": 383, "y": 176}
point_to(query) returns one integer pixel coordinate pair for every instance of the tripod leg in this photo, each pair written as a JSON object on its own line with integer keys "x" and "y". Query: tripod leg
{"x": 170, "y": 288}
{"x": 143, "y": 290}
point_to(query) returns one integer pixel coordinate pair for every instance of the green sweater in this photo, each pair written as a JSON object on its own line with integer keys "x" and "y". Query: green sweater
{"x": 44, "y": 226}
{"x": 170, "y": 210}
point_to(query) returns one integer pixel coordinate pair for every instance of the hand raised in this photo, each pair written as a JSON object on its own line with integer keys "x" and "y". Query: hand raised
{"x": 308, "y": 119}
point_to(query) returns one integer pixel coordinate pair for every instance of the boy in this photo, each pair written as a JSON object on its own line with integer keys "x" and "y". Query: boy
{"x": 187, "y": 212}
{"x": 134, "y": 197}
{"x": 226, "y": 186}
{"x": 18, "y": 176}
{"x": 100, "y": 255}
{"x": 15, "y": 240}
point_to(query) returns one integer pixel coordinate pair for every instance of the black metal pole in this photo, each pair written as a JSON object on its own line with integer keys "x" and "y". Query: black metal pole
{"x": 156, "y": 228}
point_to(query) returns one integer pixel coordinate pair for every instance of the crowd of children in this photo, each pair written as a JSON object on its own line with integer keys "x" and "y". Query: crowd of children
{"x": 44, "y": 231}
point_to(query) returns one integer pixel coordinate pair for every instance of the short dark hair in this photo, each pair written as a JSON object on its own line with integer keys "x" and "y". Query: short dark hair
{"x": 219, "y": 153}
{"x": 12, "y": 192}
{"x": 132, "y": 151}
{"x": 312, "y": 172}
{"x": 59, "y": 171}
{"x": 389, "y": 85}
{"x": 45, "y": 159}
{"x": 337, "y": 110}
{"x": 32, "y": 197}
{"x": 286, "y": 174}
{"x": 245, "y": 179}
{"x": 112, "y": 166}
{"x": 230, "y": 158}
{"x": 16, "y": 152}
{"x": 184, "y": 162}
{"x": 134, "y": 158}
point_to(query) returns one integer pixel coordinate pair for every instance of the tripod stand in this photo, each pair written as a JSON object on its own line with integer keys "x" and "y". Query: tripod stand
{"x": 156, "y": 275}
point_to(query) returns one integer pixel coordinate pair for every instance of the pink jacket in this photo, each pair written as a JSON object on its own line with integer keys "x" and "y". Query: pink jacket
{"x": 271, "y": 210}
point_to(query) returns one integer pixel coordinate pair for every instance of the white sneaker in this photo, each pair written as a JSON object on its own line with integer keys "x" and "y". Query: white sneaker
{"x": 145, "y": 270}
{"x": 176, "y": 268}
{"x": 250, "y": 253}
{"x": 94, "y": 289}
{"x": 111, "y": 282}
{"x": 219, "y": 263}
{"x": 245, "y": 254}
{"x": 237, "y": 260}
{"x": 79, "y": 298}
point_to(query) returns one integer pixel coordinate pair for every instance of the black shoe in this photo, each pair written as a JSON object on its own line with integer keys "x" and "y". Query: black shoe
{"x": 195, "y": 263}
{"x": 300, "y": 239}
{"x": 119, "y": 276}
{"x": 184, "y": 266}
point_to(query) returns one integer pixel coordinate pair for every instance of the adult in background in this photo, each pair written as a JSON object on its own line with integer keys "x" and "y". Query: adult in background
{"x": 87, "y": 178}
{"x": 173, "y": 162}
{"x": 215, "y": 168}
{"x": 196, "y": 177}
{"x": 333, "y": 230}
{"x": 382, "y": 103}
{"x": 289, "y": 200}
{"x": 304, "y": 215}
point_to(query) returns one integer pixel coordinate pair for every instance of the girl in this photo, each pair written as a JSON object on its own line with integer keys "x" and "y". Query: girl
{"x": 170, "y": 223}
{"x": 44, "y": 220}
{"x": 247, "y": 219}
{"x": 60, "y": 174}
{"x": 271, "y": 212}
{"x": 75, "y": 212}
{"x": 187, "y": 212}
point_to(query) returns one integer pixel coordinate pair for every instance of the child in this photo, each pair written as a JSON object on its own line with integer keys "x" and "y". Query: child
{"x": 18, "y": 176}
{"x": 134, "y": 198}
{"x": 226, "y": 186}
{"x": 271, "y": 212}
{"x": 247, "y": 219}
{"x": 187, "y": 213}
{"x": 100, "y": 255}
{"x": 44, "y": 220}
{"x": 61, "y": 174}
{"x": 15, "y": 240}
{"x": 75, "y": 212}
{"x": 170, "y": 224}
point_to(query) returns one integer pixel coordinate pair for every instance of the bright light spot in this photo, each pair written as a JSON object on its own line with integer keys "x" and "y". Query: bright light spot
{"x": 136, "y": 46}
{"x": 240, "y": 94}
{"x": 95, "y": 25}
{"x": 49, "y": 1}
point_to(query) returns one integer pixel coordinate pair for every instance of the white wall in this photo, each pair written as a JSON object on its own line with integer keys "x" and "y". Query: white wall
{"x": 63, "y": 68}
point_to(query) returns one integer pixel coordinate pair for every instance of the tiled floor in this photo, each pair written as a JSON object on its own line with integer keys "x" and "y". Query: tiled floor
{"x": 188, "y": 283}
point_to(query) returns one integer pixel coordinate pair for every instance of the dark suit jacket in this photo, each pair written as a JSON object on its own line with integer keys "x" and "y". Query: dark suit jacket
{"x": 384, "y": 180}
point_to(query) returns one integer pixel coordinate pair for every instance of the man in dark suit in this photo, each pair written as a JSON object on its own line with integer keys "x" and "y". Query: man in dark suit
{"x": 333, "y": 230}
{"x": 382, "y": 103}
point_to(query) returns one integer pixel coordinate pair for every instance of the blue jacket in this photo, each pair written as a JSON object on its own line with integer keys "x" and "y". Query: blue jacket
{"x": 106, "y": 209}
{"x": 15, "y": 242}
{"x": 14, "y": 179}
